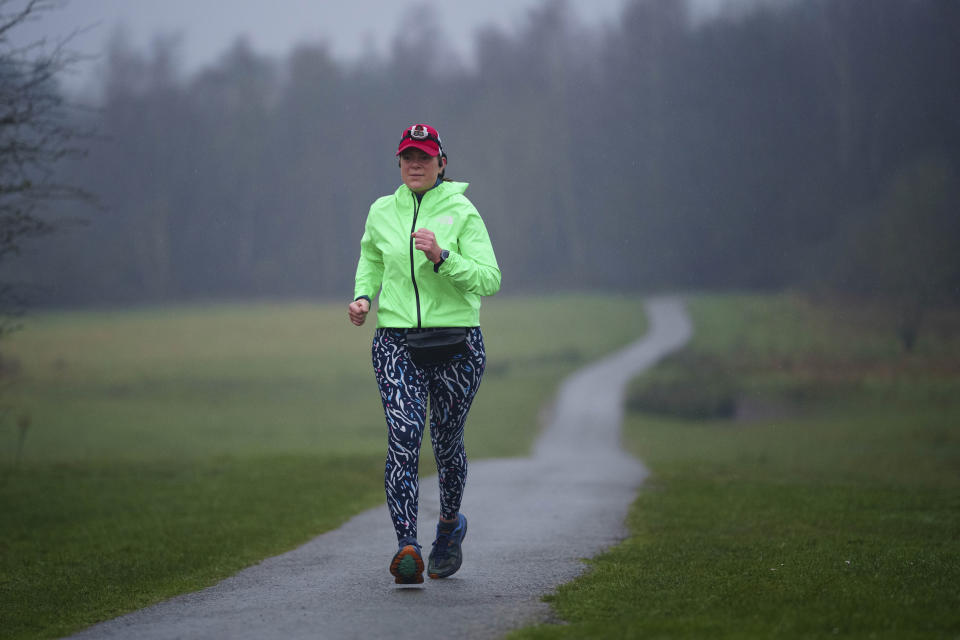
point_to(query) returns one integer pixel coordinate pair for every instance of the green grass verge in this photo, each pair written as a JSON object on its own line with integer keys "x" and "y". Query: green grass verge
{"x": 151, "y": 452}
{"x": 85, "y": 542}
{"x": 827, "y": 505}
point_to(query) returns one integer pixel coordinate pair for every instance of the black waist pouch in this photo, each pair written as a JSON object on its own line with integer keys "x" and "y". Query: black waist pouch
{"x": 433, "y": 346}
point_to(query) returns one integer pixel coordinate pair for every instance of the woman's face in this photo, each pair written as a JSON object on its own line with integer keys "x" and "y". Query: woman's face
{"x": 418, "y": 170}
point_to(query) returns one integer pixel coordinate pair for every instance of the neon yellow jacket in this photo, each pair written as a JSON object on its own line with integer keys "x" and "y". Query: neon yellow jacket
{"x": 413, "y": 294}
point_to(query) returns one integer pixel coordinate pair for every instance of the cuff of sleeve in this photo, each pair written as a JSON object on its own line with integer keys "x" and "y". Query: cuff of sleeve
{"x": 451, "y": 260}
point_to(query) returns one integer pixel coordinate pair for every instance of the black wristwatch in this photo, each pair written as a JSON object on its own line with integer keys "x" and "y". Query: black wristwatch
{"x": 443, "y": 256}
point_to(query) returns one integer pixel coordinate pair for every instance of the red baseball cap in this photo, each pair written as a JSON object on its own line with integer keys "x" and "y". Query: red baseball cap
{"x": 423, "y": 137}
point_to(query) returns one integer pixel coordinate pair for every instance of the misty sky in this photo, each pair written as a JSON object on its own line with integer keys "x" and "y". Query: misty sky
{"x": 208, "y": 27}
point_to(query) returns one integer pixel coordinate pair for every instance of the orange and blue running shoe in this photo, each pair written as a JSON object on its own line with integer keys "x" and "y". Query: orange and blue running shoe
{"x": 407, "y": 564}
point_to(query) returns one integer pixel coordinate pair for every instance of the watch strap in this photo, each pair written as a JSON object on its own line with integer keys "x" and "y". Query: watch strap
{"x": 443, "y": 258}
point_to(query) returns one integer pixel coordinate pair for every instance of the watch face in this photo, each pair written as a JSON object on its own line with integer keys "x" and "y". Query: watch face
{"x": 444, "y": 254}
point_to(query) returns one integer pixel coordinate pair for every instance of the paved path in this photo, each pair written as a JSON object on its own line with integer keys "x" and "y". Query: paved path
{"x": 532, "y": 520}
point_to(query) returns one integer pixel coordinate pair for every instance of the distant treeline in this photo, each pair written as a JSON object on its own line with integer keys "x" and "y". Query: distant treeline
{"x": 815, "y": 145}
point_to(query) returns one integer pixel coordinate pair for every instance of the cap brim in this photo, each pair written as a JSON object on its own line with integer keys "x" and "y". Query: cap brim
{"x": 429, "y": 147}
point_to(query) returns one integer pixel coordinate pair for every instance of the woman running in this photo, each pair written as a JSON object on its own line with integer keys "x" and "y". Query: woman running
{"x": 426, "y": 251}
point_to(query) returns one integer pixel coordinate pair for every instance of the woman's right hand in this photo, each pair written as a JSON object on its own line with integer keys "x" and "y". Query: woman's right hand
{"x": 358, "y": 311}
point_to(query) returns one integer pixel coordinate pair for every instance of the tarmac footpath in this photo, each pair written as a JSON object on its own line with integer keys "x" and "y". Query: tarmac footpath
{"x": 532, "y": 521}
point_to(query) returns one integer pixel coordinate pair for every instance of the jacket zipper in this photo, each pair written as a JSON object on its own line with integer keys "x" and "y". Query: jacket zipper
{"x": 413, "y": 275}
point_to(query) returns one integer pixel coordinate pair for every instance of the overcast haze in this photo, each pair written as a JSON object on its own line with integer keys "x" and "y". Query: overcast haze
{"x": 207, "y": 28}
{"x": 650, "y": 154}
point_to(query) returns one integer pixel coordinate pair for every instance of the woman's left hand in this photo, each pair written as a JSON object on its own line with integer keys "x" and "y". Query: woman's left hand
{"x": 424, "y": 240}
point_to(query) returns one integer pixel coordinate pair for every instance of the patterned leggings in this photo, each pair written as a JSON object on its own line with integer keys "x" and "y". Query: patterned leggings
{"x": 404, "y": 389}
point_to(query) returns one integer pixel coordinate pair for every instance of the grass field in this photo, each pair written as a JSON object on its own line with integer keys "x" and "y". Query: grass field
{"x": 145, "y": 453}
{"x": 813, "y": 493}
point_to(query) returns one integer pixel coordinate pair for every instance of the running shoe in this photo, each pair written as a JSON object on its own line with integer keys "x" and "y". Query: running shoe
{"x": 447, "y": 555}
{"x": 407, "y": 563}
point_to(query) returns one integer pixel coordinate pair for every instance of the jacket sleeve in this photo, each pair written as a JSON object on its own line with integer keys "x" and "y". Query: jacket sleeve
{"x": 474, "y": 269}
{"x": 370, "y": 266}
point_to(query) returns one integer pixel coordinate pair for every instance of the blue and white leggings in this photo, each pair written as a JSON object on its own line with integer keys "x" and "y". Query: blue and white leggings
{"x": 404, "y": 390}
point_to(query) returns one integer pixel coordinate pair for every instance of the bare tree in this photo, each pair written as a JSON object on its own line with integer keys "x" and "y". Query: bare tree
{"x": 36, "y": 134}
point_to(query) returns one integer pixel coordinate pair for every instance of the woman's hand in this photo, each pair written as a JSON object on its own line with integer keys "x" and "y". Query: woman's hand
{"x": 424, "y": 240}
{"x": 358, "y": 311}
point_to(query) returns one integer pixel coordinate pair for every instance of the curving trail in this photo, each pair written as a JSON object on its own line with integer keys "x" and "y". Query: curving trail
{"x": 532, "y": 520}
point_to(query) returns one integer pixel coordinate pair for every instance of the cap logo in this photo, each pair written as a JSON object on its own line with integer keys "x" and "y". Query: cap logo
{"x": 420, "y": 133}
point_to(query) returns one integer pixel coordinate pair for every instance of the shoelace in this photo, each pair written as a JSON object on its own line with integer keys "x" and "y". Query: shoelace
{"x": 442, "y": 544}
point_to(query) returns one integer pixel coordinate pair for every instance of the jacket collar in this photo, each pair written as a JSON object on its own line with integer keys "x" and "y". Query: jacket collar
{"x": 440, "y": 192}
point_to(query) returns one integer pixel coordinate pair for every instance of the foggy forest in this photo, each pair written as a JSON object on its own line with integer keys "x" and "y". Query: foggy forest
{"x": 813, "y": 145}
